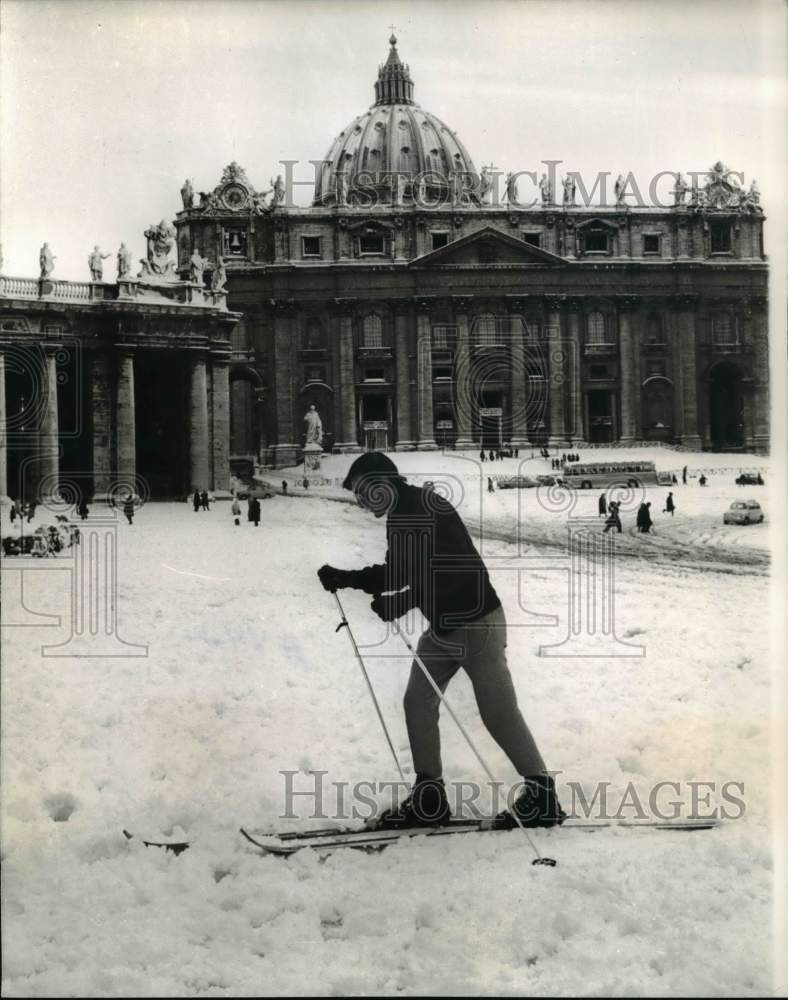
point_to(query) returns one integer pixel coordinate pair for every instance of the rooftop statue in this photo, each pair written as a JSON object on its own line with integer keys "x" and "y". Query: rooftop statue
{"x": 161, "y": 240}
{"x": 569, "y": 189}
{"x": 46, "y": 261}
{"x": 124, "y": 262}
{"x": 546, "y": 187}
{"x": 196, "y": 268}
{"x": 219, "y": 276}
{"x": 187, "y": 194}
{"x": 96, "y": 263}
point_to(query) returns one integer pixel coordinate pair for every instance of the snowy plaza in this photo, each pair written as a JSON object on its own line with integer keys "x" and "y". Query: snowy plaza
{"x": 244, "y": 677}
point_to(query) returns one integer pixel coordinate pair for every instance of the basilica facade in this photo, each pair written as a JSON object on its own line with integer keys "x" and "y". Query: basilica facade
{"x": 413, "y": 304}
{"x": 416, "y": 310}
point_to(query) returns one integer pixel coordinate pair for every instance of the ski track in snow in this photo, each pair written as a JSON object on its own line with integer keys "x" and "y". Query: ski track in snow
{"x": 247, "y": 677}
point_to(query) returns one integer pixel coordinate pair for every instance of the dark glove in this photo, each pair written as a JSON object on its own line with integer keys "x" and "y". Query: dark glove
{"x": 390, "y": 606}
{"x": 333, "y": 579}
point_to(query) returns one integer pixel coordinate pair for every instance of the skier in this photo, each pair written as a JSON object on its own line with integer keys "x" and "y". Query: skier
{"x": 236, "y": 511}
{"x": 196, "y": 500}
{"x": 670, "y": 506}
{"x": 432, "y": 564}
{"x": 490, "y": 487}
{"x": 254, "y": 511}
{"x": 602, "y": 504}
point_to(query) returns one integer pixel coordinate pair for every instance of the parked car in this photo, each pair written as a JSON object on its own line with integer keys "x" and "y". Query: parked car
{"x": 749, "y": 479}
{"x": 743, "y": 512}
{"x": 515, "y": 482}
{"x": 548, "y": 480}
{"x": 258, "y": 490}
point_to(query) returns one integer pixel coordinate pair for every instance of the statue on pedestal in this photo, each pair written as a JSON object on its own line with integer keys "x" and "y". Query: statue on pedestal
{"x": 546, "y": 187}
{"x": 96, "y": 265}
{"x": 314, "y": 426}
{"x": 620, "y": 187}
{"x": 158, "y": 266}
{"x": 569, "y": 190}
{"x": 511, "y": 188}
{"x": 680, "y": 190}
{"x": 46, "y": 261}
{"x": 219, "y": 276}
{"x": 278, "y": 189}
{"x": 124, "y": 262}
{"x": 196, "y": 268}
{"x": 187, "y": 194}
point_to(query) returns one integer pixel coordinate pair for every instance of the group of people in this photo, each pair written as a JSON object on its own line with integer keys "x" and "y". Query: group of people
{"x": 612, "y": 513}
{"x": 496, "y": 455}
{"x": 252, "y": 511}
{"x": 200, "y": 500}
{"x": 22, "y": 510}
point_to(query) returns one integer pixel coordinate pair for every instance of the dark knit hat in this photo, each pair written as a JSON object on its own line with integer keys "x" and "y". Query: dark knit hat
{"x": 371, "y": 463}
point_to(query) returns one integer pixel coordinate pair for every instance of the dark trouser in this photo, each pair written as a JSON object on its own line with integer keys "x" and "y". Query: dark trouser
{"x": 480, "y": 648}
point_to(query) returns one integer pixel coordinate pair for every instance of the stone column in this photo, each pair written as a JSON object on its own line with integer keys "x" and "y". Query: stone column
{"x": 402, "y": 352}
{"x": 126, "y": 447}
{"x": 220, "y": 417}
{"x": 626, "y": 374}
{"x": 760, "y": 407}
{"x": 463, "y": 385}
{"x": 285, "y": 449}
{"x": 48, "y": 441}
{"x": 199, "y": 446}
{"x": 4, "y": 498}
{"x": 519, "y": 435}
{"x": 348, "y": 434}
{"x": 424, "y": 382}
{"x": 101, "y": 401}
{"x": 687, "y": 366}
{"x": 575, "y": 347}
{"x": 557, "y": 438}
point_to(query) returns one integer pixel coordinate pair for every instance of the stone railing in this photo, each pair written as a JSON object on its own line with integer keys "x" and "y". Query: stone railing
{"x": 180, "y": 292}
{"x": 27, "y": 288}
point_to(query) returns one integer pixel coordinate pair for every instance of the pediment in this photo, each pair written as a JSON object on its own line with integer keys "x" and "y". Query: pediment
{"x": 488, "y": 246}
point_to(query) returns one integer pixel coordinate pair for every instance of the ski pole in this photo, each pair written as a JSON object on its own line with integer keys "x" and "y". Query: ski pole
{"x": 346, "y": 624}
{"x": 539, "y": 859}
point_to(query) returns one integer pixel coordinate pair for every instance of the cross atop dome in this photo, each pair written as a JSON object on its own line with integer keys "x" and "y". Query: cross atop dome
{"x": 393, "y": 85}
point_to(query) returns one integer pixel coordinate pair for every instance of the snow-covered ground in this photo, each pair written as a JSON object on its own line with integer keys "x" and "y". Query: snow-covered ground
{"x": 245, "y": 677}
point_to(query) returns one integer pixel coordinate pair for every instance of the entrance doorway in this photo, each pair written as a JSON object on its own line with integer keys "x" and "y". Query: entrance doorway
{"x": 490, "y": 410}
{"x": 726, "y": 407}
{"x": 600, "y": 416}
{"x": 375, "y": 421}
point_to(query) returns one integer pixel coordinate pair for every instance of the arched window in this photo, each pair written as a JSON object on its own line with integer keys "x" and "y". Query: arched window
{"x": 372, "y": 331}
{"x": 595, "y": 329}
{"x": 485, "y": 329}
{"x": 654, "y": 330}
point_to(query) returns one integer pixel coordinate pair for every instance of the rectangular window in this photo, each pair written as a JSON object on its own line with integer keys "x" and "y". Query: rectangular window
{"x": 310, "y": 246}
{"x": 535, "y": 239}
{"x": 234, "y": 242}
{"x": 599, "y": 371}
{"x": 371, "y": 244}
{"x": 720, "y": 237}
{"x": 651, "y": 243}
{"x": 439, "y": 240}
{"x": 444, "y": 338}
{"x": 595, "y": 241}
{"x": 441, "y": 371}
{"x": 375, "y": 375}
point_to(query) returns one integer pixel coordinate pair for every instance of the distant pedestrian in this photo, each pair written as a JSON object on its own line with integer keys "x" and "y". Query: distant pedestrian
{"x": 196, "y": 500}
{"x": 490, "y": 487}
{"x": 254, "y": 511}
{"x": 128, "y": 508}
{"x": 284, "y": 487}
{"x": 613, "y": 518}
{"x": 684, "y": 475}
{"x": 674, "y": 480}
{"x": 481, "y": 455}
{"x": 670, "y": 507}
{"x": 305, "y": 483}
{"x": 702, "y": 480}
{"x": 12, "y": 512}
{"x": 759, "y": 479}
{"x": 236, "y": 509}
{"x": 31, "y": 510}
{"x": 204, "y": 500}
{"x": 602, "y": 505}
{"x": 516, "y": 452}
{"x": 249, "y": 500}
{"x": 643, "y": 520}
{"x": 82, "y": 510}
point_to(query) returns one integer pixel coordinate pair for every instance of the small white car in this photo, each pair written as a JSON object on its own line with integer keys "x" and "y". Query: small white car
{"x": 743, "y": 512}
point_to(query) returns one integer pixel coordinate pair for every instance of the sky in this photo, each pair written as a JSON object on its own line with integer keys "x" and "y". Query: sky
{"x": 108, "y": 106}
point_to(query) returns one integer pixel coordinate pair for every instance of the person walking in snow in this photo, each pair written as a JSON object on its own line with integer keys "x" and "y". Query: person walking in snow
{"x": 254, "y": 511}
{"x": 702, "y": 480}
{"x": 82, "y": 509}
{"x": 670, "y": 506}
{"x": 204, "y": 500}
{"x": 602, "y": 504}
{"x": 684, "y": 475}
{"x": 490, "y": 487}
{"x": 284, "y": 487}
{"x": 613, "y": 518}
{"x": 196, "y": 500}
{"x": 433, "y": 565}
{"x": 236, "y": 511}
{"x": 128, "y": 508}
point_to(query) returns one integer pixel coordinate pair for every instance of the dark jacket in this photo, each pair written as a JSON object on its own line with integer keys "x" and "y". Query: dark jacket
{"x": 432, "y": 560}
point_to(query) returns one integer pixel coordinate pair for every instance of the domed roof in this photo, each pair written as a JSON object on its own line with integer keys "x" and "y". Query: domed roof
{"x": 395, "y": 137}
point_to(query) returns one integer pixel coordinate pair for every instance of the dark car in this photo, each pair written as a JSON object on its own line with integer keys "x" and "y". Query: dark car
{"x": 749, "y": 479}
{"x": 515, "y": 482}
